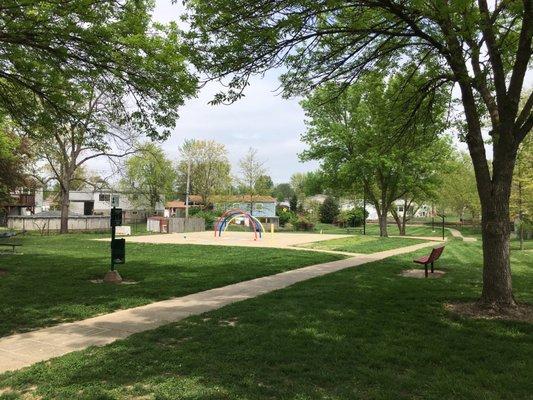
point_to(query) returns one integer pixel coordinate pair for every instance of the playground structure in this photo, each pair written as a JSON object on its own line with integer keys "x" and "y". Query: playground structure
{"x": 230, "y": 215}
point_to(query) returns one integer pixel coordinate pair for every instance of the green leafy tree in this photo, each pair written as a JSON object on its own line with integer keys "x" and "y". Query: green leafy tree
{"x": 356, "y": 138}
{"x": 314, "y": 183}
{"x": 252, "y": 168}
{"x": 484, "y": 48}
{"x": 264, "y": 185}
{"x": 48, "y": 49}
{"x": 14, "y": 157}
{"x": 209, "y": 168}
{"x": 329, "y": 210}
{"x": 458, "y": 192}
{"x": 149, "y": 176}
{"x": 282, "y": 191}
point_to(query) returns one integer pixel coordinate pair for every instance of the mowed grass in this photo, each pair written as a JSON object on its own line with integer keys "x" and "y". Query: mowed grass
{"x": 50, "y": 282}
{"x": 362, "y": 333}
{"x": 363, "y": 244}
{"x": 392, "y": 229}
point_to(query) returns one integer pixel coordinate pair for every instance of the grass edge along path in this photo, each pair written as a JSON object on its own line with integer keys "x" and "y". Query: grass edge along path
{"x": 22, "y": 350}
{"x": 360, "y": 333}
{"x": 51, "y": 282}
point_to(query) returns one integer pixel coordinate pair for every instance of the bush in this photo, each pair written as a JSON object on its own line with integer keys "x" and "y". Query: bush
{"x": 329, "y": 210}
{"x": 352, "y": 217}
{"x": 293, "y": 203}
{"x": 284, "y": 215}
{"x": 209, "y": 216}
{"x": 302, "y": 223}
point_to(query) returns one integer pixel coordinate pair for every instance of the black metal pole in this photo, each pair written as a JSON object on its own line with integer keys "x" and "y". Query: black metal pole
{"x": 443, "y": 227}
{"x": 112, "y": 239}
{"x": 364, "y": 211}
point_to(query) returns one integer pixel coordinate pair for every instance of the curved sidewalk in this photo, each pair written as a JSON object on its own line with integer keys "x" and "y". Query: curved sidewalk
{"x": 21, "y": 350}
{"x": 457, "y": 234}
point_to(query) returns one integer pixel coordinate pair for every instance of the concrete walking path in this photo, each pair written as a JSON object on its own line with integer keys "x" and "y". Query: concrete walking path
{"x": 457, "y": 234}
{"x": 22, "y": 350}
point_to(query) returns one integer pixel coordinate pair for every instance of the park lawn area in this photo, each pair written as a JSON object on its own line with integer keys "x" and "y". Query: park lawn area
{"x": 373, "y": 229}
{"x": 392, "y": 229}
{"x": 363, "y": 244}
{"x": 361, "y": 333}
{"x": 50, "y": 282}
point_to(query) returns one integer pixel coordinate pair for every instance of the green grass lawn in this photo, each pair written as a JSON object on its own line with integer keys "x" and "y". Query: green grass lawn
{"x": 362, "y": 333}
{"x": 50, "y": 282}
{"x": 363, "y": 244}
{"x": 373, "y": 229}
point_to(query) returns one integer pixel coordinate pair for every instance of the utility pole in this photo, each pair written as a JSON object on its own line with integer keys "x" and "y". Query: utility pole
{"x": 188, "y": 188}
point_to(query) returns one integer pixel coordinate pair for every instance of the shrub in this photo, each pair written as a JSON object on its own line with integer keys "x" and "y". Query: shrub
{"x": 302, "y": 223}
{"x": 293, "y": 203}
{"x": 329, "y": 210}
{"x": 284, "y": 215}
{"x": 209, "y": 216}
{"x": 352, "y": 217}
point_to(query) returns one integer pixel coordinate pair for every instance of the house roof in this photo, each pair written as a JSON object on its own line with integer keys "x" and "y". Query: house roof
{"x": 195, "y": 198}
{"x": 243, "y": 198}
{"x": 175, "y": 204}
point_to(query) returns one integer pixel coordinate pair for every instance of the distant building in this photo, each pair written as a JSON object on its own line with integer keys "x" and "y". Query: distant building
{"x": 424, "y": 210}
{"x": 259, "y": 206}
{"x": 176, "y": 208}
{"x": 24, "y": 201}
{"x": 98, "y": 202}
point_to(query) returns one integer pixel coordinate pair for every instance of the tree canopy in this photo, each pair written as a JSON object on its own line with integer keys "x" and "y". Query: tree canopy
{"x": 14, "y": 156}
{"x": 484, "y": 49}
{"x": 457, "y": 193}
{"x": 358, "y": 139}
{"x": 149, "y": 176}
{"x": 52, "y": 53}
{"x": 209, "y": 168}
{"x": 252, "y": 172}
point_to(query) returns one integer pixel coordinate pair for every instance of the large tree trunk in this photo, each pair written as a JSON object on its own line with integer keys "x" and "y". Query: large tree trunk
{"x": 402, "y": 228}
{"x": 382, "y": 217}
{"x": 497, "y": 284}
{"x": 398, "y": 221}
{"x": 65, "y": 202}
{"x": 494, "y": 192}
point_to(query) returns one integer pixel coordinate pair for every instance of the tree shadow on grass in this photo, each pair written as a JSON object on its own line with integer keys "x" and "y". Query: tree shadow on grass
{"x": 45, "y": 289}
{"x": 359, "y": 333}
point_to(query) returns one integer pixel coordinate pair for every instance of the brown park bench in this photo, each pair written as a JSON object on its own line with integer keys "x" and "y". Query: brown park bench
{"x": 427, "y": 260}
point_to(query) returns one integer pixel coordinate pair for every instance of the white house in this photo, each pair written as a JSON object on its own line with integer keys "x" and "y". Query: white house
{"x": 99, "y": 202}
{"x": 424, "y": 210}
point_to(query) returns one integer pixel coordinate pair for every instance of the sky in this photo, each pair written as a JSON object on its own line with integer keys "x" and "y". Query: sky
{"x": 262, "y": 120}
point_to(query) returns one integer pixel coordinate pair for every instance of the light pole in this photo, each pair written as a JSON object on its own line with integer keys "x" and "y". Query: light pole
{"x": 188, "y": 188}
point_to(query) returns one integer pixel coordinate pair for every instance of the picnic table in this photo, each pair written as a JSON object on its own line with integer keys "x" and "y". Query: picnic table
{"x": 12, "y": 245}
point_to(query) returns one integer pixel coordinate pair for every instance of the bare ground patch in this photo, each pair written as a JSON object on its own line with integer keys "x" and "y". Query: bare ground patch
{"x": 522, "y": 312}
{"x": 420, "y": 274}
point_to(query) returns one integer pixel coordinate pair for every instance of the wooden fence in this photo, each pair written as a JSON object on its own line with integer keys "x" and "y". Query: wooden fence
{"x": 179, "y": 225}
